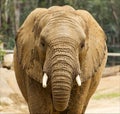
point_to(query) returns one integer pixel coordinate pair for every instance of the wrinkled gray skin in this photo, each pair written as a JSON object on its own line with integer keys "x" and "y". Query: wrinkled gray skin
{"x": 63, "y": 43}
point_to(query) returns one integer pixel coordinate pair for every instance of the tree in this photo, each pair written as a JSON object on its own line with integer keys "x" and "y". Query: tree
{"x": 7, "y": 22}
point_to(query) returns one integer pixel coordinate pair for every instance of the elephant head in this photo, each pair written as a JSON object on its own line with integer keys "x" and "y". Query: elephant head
{"x": 60, "y": 46}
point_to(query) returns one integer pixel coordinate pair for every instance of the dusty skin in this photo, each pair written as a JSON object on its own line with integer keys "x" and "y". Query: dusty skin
{"x": 58, "y": 60}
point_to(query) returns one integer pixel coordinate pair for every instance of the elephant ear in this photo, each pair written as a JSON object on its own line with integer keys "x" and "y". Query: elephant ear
{"x": 96, "y": 50}
{"x": 28, "y": 54}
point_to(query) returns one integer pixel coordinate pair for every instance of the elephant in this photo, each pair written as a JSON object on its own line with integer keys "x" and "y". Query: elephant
{"x": 59, "y": 58}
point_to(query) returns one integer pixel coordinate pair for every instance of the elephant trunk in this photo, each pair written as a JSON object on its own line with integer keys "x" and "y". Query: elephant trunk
{"x": 62, "y": 66}
{"x": 61, "y": 88}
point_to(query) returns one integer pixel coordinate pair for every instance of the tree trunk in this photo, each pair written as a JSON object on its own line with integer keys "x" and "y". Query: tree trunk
{"x": 17, "y": 14}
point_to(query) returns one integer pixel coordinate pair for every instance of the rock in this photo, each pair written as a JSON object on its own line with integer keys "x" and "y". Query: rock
{"x": 8, "y": 61}
{"x": 8, "y": 83}
{"x": 5, "y": 89}
{"x": 23, "y": 106}
{"x": 5, "y": 101}
{"x": 11, "y": 99}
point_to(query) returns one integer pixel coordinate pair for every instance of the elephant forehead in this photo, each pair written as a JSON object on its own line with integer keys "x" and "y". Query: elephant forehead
{"x": 62, "y": 16}
{"x": 59, "y": 31}
{"x": 65, "y": 17}
{"x": 63, "y": 28}
{"x": 62, "y": 24}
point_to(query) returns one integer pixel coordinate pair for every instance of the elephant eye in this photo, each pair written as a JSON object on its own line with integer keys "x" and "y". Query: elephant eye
{"x": 82, "y": 44}
{"x": 42, "y": 43}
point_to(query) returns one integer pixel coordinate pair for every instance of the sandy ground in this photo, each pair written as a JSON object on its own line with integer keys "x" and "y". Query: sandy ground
{"x": 106, "y": 99}
{"x": 108, "y": 92}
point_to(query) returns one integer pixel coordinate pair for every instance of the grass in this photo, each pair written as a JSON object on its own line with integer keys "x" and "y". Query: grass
{"x": 106, "y": 96}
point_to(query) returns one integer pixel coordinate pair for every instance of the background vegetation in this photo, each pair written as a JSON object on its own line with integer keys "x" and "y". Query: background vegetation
{"x": 106, "y": 12}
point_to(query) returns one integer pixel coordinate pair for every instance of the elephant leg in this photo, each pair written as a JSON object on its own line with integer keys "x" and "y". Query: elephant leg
{"x": 91, "y": 90}
{"x": 39, "y": 101}
{"x": 93, "y": 86}
{"x": 78, "y": 98}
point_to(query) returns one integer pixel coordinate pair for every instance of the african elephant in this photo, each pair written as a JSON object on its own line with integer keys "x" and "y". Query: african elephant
{"x": 58, "y": 60}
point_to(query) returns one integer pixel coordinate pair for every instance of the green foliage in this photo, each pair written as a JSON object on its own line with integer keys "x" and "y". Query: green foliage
{"x": 7, "y": 27}
{"x": 2, "y": 53}
{"x": 27, "y": 7}
{"x": 10, "y": 43}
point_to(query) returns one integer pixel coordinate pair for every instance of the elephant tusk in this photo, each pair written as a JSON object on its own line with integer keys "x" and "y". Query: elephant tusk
{"x": 44, "y": 81}
{"x": 78, "y": 80}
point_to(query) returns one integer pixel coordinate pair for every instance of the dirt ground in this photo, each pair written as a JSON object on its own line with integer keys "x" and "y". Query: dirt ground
{"x": 106, "y": 99}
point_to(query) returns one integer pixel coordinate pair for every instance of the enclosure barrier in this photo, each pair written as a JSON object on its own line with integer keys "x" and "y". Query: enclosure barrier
{"x": 113, "y": 54}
